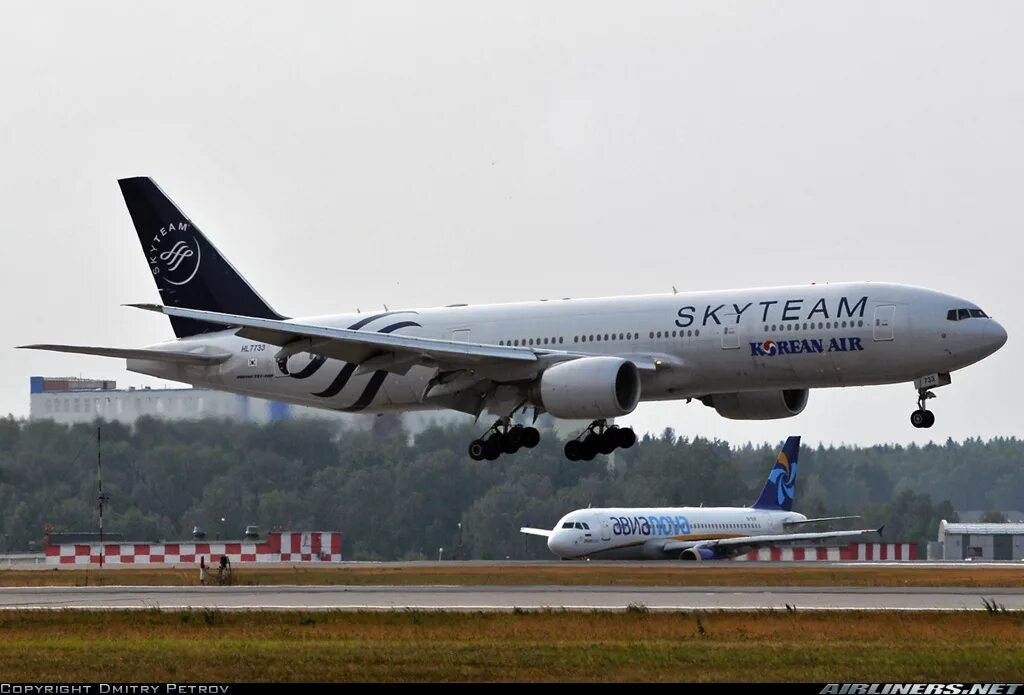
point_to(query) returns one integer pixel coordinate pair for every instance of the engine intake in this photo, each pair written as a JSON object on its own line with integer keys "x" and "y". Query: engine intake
{"x": 758, "y": 405}
{"x": 589, "y": 388}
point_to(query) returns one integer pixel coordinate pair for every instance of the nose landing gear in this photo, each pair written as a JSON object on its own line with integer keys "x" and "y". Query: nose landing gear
{"x": 503, "y": 438}
{"x": 599, "y": 438}
{"x": 922, "y": 418}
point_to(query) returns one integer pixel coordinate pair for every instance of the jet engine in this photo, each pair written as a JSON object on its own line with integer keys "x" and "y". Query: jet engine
{"x": 589, "y": 388}
{"x": 697, "y": 554}
{"x": 758, "y": 405}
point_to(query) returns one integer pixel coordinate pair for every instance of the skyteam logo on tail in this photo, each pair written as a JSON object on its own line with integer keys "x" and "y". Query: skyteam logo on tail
{"x": 780, "y": 487}
{"x": 174, "y": 260}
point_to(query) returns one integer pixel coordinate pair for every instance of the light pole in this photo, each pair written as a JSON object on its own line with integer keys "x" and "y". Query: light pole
{"x": 223, "y": 532}
{"x": 440, "y": 552}
{"x": 458, "y": 550}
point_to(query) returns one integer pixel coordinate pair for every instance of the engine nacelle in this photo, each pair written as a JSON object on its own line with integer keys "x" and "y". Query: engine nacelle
{"x": 697, "y": 554}
{"x": 589, "y": 388}
{"x": 758, "y": 405}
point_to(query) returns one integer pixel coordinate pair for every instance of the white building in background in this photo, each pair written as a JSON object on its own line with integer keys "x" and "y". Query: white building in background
{"x": 959, "y": 541}
{"x": 70, "y": 400}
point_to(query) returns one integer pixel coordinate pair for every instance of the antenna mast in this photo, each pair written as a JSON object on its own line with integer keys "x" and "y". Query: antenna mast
{"x": 101, "y": 497}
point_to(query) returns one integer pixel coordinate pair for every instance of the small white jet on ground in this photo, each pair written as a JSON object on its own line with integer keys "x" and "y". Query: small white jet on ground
{"x": 695, "y": 533}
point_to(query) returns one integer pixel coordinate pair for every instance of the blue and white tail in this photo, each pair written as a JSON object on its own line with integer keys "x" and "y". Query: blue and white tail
{"x": 779, "y": 490}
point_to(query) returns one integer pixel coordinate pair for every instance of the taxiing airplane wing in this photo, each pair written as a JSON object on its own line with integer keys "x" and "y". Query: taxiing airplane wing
{"x": 535, "y": 531}
{"x": 820, "y": 520}
{"x": 730, "y": 547}
{"x": 202, "y": 357}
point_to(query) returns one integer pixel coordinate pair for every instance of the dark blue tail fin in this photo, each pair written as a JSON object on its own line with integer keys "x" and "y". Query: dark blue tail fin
{"x": 778, "y": 491}
{"x": 189, "y": 271}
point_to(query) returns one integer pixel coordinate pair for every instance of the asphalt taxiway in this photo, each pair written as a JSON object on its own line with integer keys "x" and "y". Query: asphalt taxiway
{"x": 507, "y": 598}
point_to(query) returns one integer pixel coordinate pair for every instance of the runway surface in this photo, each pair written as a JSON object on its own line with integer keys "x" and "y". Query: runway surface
{"x": 506, "y": 598}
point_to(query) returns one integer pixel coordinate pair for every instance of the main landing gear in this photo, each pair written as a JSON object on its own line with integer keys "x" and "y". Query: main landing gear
{"x": 922, "y": 418}
{"x": 599, "y": 438}
{"x": 503, "y": 438}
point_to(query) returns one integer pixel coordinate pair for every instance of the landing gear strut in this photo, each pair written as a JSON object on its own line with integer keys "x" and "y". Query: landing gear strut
{"x": 599, "y": 438}
{"x": 503, "y": 438}
{"x": 922, "y": 417}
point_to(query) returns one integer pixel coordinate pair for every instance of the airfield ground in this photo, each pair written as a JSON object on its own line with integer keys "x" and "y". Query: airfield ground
{"x": 196, "y": 646}
{"x": 552, "y": 574}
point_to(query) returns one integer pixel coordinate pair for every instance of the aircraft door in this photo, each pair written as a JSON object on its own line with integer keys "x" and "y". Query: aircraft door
{"x": 459, "y": 335}
{"x": 606, "y": 530}
{"x": 884, "y": 319}
{"x": 730, "y": 336}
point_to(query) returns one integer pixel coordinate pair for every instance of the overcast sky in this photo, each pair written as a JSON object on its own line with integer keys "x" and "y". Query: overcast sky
{"x": 347, "y": 155}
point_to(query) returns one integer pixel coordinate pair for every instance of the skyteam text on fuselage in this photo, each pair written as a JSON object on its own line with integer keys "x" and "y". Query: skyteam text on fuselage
{"x": 749, "y": 353}
{"x": 695, "y": 533}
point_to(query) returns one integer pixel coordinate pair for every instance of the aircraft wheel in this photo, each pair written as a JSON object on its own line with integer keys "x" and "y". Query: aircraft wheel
{"x": 626, "y": 437}
{"x": 573, "y": 449}
{"x": 589, "y": 447}
{"x": 477, "y": 450}
{"x": 918, "y": 418}
{"x": 531, "y": 437}
{"x": 513, "y": 440}
{"x": 493, "y": 446}
{"x": 608, "y": 441}
{"x": 929, "y": 419}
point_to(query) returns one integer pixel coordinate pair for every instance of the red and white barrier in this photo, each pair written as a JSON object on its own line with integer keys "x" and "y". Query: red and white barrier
{"x": 854, "y": 552}
{"x": 307, "y": 546}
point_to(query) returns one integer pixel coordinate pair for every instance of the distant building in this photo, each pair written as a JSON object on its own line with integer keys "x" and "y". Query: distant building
{"x": 70, "y": 400}
{"x": 960, "y": 541}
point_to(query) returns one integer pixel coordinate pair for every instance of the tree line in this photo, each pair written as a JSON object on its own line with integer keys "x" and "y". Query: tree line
{"x": 399, "y": 496}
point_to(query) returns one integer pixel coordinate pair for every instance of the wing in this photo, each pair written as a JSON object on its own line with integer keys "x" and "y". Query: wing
{"x": 389, "y": 352}
{"x": 354, "y": 345}
{"x": 730, "y": 547}
{"x": 202, "y": 357}
{"x": 821, "y": 520}
{"x": 535, "y": 531}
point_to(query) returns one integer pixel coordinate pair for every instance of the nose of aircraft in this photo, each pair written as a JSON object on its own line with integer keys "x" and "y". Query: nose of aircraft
{"x": 995, "y": 335}
{"x": 557, "y": 544}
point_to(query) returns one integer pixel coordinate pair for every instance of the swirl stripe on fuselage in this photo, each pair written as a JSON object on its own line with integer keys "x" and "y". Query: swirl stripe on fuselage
{"x": 318, "y": 360}
{"x": 346, "y": 372}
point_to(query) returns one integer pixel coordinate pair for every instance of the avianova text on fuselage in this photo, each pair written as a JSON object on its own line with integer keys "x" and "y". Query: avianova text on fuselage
{"x": 748, "y": 353}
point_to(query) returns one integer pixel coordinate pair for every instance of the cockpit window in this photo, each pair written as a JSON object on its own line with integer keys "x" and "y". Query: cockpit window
{"x": 586, "y": 526}
{"x": 961, "y": 314}
{"x": 567, "y": 524}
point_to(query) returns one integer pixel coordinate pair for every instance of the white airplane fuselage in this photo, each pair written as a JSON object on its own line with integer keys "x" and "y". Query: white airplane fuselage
{"x": 696, "y": 343}
{"x": 641, "y": 533}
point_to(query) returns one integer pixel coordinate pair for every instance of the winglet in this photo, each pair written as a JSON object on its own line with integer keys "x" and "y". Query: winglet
{"x": 158, "y": 308}
{"x": 880, "y": 529}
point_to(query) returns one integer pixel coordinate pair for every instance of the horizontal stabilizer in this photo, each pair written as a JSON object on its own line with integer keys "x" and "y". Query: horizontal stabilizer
{"x": 535, "y": 531}
{"x": 821, "y": 520}
{"x": 201, "y": 358}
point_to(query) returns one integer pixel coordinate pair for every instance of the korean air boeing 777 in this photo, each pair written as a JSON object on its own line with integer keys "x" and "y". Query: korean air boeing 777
{"x": 750, "y": 353}
{"x": 695, "y": 533}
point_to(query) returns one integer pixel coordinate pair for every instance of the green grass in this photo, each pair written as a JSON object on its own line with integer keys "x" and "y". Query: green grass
{"x": 402, "y": 646}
